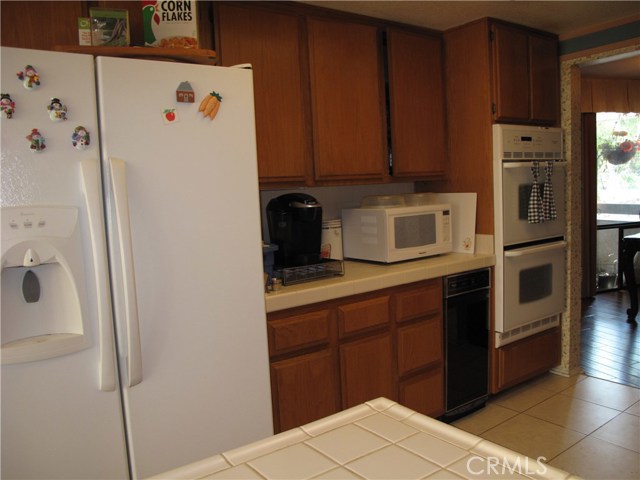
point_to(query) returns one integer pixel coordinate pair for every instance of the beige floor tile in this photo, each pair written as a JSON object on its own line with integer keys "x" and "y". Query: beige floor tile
{"x": 623, "y": 430}
{"x": 634, "y": 409}
{"x": 603, "y": 392}
{"x": 573, "y": 413}
{"x": 556, "y": 383}
{"x": 521, "y": 398}
{"x": 593, "y": 458}
{"x": 484, "y": 419}
{"x": 533, "y": 437}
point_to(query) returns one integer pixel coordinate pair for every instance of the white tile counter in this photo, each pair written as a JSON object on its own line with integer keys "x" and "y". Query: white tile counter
{"x": 379, "y": 439}
{"x": 361, "y": 277}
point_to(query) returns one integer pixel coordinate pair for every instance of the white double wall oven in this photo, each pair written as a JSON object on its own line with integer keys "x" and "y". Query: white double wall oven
{"x": 529, "y": 202}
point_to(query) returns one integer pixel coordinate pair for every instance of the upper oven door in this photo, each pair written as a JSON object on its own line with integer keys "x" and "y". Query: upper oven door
{"x": 513, "y": 205}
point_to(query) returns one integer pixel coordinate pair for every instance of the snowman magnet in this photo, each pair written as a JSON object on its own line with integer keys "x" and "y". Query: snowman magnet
{"x": 7, "y": 106}
{"x": 36, "y": 140}
{"x": 80, "y": 138}
{"x": 57, "y": 111}
{"x": 30, "y": 78}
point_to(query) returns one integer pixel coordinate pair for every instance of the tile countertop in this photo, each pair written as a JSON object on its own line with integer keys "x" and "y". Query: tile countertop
{"x": 378, "y": 439}
{"x": 361, "y": 277}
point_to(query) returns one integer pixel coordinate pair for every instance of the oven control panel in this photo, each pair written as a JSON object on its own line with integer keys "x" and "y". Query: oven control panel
{"x": 516, "y": 142}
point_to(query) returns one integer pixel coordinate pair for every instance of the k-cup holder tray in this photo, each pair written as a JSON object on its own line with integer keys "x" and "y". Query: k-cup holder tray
{"x": 306, "y": 273}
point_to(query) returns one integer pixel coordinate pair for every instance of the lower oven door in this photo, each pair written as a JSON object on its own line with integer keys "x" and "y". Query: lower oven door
{"x": 533, "y": 284}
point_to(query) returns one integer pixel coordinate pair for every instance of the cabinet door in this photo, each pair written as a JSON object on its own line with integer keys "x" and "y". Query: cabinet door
{"x": 40, "y": 25}
{"x": 304, "y": 389}
{"x": 511, "y": 73}
{"x": 416, "y": 107}
{"x": 347, "y": 101}
{"x": 271, "y": 42}
{"x": 419, "y": 345}
{"x": 424, "y": 393}
{"x": 544, "y": 89}
{"x": 367, "y": 368}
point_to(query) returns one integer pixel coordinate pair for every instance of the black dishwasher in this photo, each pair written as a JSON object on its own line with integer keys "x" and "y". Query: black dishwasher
{"x": 466, "y": 323}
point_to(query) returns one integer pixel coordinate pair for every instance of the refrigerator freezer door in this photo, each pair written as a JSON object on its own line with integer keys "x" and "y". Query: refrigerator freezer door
{"x": 196, "y": 248}
{"x": 61, "y": 417}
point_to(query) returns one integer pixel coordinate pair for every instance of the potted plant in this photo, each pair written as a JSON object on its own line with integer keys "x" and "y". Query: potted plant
{"x": 620, "y": 149}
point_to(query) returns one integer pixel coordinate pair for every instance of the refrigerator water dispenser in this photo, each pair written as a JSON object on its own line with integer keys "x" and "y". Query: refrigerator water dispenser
{"x": 43, "y": 283}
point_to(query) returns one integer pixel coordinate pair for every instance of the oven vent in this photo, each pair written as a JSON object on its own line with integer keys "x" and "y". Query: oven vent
{"x": 503, "y": 338}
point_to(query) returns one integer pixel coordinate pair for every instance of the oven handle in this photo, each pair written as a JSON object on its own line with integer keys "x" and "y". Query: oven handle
{"x": 539, "y": 249}
{"x": 511, "y": 164}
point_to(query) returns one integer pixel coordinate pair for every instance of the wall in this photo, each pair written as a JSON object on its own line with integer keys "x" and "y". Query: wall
{"x": 333, "y": 199}
{"x": 570, "y": 78}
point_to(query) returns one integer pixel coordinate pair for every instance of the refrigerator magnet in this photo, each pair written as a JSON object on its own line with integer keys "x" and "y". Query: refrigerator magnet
{"x": 80, "y": 138}
{"x": 30, "y": 78}
{"x": 169, "y": 115}
{"x": 36, "y": 141}
{"x": 7, "y": 106}
{"x": 57, "y": 111}
{"x": 185, "y": 93}
{"x": 210, "y": 105}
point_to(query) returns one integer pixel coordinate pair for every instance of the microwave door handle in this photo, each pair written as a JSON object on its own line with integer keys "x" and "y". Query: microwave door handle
{"x": 532, "y": 250}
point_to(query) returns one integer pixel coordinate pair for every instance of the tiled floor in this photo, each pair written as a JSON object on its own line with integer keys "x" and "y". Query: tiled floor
{"x": 585, "y": 425}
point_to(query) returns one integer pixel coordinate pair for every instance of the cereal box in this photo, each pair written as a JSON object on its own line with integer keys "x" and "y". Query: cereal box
{"x": 170, "y": 23}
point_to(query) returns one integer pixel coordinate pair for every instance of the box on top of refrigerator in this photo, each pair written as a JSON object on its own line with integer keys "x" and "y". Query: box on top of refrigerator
{"x": 170, "y": 24}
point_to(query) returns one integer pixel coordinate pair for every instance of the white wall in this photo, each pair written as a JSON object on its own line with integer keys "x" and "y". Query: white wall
{"x": 333, "y": 199}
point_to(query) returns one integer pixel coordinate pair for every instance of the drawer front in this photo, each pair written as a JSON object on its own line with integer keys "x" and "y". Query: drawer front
{"x": 301, "y": 331}
{"x": 364, "y": 315}
{"x": 419, "y": 302}
{"x": 419, "y": 345}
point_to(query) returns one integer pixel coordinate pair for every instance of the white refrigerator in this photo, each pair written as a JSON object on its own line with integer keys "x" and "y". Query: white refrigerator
{"x": 133, "y": 319}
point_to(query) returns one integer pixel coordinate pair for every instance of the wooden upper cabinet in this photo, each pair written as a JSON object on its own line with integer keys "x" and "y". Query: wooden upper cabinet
{"x": 526, "y": 75}
{"x": 273, "y": 42}
{"x": 347, "y": 101}
{"x": 544, "y": 89}
{"x": 41, "y": 25}
{"x": 417, "y": 104}
{"x": 511, "y": 67}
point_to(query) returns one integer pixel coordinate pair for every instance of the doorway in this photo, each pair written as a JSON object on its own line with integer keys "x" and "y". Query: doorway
{"x": 611, "y": 196}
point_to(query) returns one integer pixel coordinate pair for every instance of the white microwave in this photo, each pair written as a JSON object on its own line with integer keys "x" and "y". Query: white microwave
{"x": 395, "y": 233}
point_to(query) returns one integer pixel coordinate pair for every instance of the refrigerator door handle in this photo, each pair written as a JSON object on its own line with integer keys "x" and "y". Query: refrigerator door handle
{"x": 90, "y": 171}
{"x": 121, "y": 210}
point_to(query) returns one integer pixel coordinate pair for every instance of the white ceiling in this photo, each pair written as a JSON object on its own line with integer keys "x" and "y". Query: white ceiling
{"x": 564, "y": 18}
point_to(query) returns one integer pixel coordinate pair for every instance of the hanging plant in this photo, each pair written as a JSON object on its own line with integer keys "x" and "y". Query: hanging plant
{"x": 617, "y": 151}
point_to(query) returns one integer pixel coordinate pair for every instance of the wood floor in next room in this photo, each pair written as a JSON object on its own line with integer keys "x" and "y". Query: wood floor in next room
{"x": 610, "y": 347}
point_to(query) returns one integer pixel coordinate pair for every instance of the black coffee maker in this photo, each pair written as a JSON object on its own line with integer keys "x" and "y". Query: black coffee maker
{"x": 295, "y": 225}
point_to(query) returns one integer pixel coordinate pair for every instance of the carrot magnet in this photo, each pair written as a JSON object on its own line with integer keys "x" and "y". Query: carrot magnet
{"x": 7, "y": 106}
{"x": 36, "y": 141}
{"x": 210, "y": 105}
{"x": 30, "y": 78}
{"x": 57, "y": 111}
{"x": 80, "y": 138}
{"x": 185, "y": 94}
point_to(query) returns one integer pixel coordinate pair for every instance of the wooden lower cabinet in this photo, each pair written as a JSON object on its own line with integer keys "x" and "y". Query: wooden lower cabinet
{"x": 305, "y": 388}
{"x": 424, "y": 393}
{"x": 340, "y": 353}
{"x": 366, "y": 368}
{"x": 526, "y": 358}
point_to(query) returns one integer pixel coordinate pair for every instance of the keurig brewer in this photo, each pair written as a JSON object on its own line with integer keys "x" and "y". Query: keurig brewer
{"x": 295, "y": 225}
